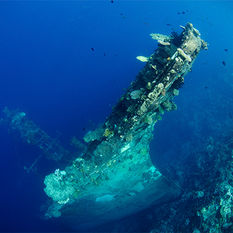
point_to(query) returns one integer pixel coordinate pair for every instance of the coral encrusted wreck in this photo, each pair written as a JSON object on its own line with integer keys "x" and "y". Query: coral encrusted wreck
{"x": 115, "y": 177}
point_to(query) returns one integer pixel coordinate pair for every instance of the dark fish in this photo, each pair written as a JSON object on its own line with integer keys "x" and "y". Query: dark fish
{"x": 226, "y": 50}
{"x": 224, "y": 63}
{"x": 112, "y": 1}
{"x": 206, "y": 87}
{"x": 104, "y": 54}
{"x": 92, "y": 49}
{"x": 168, "y": 24}
{"x": 181, "y": 12}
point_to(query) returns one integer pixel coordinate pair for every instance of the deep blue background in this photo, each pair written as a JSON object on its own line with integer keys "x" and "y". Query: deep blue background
{"x": 48, "y": 70}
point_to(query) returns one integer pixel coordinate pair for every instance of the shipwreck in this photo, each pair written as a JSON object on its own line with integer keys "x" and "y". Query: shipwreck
{"x": 114, "y": 177}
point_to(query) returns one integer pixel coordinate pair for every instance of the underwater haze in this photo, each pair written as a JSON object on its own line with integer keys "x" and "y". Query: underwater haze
{"x": 65, "y": 64}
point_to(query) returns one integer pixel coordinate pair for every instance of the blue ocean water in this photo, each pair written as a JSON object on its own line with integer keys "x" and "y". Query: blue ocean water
{"x": 66, "y": 63}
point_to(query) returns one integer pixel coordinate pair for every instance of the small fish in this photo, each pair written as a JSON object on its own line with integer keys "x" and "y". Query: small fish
{"x": 112, "y": 1}
{"x": 206, "y": 87}
{"x": 142, "y": 58}
{"x": 92, "y": 49}
{"x": 226, "y": 50}
{"x": 104, "y": 54}
{"x": 181, "y": 12}
{"x": 168, "y": 24}
{"x": 224, "y": 63}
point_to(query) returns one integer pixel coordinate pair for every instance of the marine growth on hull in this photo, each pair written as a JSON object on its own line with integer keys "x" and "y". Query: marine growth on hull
{"x": 114, "y": 176}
